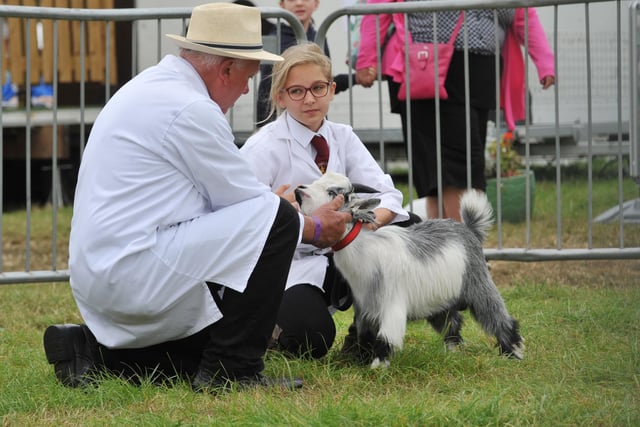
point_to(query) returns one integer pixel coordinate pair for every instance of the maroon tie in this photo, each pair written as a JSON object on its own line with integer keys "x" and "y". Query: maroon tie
{"x": 322, "y": 150}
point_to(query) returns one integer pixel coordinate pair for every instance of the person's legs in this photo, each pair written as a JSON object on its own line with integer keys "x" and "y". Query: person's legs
{"x": 237, "y": 342}
{"x": 454, "y": 158}
{"x": 450, "y": 204}
{"x": 307, "y": 328}
{"x": 159, "y": 363}
{"x": 433, "y": 208}
{"x": 78, "y": 357}
{"x": 398, "y": 107}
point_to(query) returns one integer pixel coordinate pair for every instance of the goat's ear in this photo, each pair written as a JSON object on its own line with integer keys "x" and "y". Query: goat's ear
{"x": 361, "y": 188}
{"x": 361, "y": 209}
{"x": 366, "y": 204}
{"x": 364, "y": 216}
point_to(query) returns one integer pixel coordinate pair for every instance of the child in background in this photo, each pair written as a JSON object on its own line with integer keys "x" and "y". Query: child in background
{"x": 282, "y": 156}
{"x": 512, "y": 84}
{"x": 303, "y": 10}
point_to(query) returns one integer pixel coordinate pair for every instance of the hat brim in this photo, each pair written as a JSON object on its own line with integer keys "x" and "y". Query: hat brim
{"x": 259, "y": 55}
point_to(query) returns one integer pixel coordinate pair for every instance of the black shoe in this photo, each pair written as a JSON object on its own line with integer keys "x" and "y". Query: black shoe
{"x": 204, "y": 381}
{"x": 69, "y": 352}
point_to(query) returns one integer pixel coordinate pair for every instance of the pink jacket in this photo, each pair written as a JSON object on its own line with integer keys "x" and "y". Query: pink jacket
{"x": 512, "y": 84}
{"x": 367, "y": 54}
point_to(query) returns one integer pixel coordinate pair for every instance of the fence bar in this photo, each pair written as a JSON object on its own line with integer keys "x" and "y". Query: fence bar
{"x": 561, "y": 255}
{"x": 560, "y": 149}
{"x": 83, "y": 17}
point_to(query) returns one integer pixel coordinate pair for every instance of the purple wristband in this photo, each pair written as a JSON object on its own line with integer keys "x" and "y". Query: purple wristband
{"x": 317, "y": 230}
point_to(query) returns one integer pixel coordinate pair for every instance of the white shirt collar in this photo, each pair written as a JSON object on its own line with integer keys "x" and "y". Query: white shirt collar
{"x": 302, "y": 134}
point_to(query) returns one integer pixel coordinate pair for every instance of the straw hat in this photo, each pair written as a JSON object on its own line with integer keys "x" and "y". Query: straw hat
{"x": 226, "y": 29}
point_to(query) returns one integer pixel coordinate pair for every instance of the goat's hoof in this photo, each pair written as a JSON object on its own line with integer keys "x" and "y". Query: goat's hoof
{"x": 516, "y": 351}
{"x": 382, "y": 364}
{"x": 452, "y": 346}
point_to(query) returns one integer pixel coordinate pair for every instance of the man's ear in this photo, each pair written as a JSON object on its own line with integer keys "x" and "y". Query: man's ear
{"x": 226, "y": 68}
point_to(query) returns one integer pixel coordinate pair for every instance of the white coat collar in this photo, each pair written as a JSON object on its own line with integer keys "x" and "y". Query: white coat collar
{"x": 300, "y": 133}
{"x": 184, "y": 66}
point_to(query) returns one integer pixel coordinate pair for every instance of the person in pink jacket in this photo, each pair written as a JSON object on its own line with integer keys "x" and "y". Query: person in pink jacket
{"x": 452, "y": 119}
{"x": 367, "y": 63}
{"x": 512, "y": 84}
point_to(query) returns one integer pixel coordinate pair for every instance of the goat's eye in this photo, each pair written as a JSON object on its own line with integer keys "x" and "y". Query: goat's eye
{"x": 332, "y": 193}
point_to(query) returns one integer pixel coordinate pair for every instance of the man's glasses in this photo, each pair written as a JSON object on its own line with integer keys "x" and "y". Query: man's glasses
{"x": 318, "y": 90}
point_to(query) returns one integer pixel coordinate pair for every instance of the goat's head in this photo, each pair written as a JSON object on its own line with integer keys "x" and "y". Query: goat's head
{"x": 311, "y": 197}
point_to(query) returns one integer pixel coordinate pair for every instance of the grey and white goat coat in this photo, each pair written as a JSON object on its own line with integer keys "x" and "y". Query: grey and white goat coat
{"x": 430, "y": 270}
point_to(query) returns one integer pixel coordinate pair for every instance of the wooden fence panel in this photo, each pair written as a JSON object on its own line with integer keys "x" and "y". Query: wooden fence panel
{"x": 65, "y": 50}
{"x": 69, "y": 45}
{"x": 47, "y": 52}
{"x": 14, "y": 47}
{"x": 77, "y": 30}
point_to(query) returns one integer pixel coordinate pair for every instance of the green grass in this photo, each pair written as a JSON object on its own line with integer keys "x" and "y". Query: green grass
{"x": 581, "y": 365}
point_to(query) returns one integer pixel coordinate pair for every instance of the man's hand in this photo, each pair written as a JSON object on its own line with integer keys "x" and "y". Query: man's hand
{"x": 326, "y": 225}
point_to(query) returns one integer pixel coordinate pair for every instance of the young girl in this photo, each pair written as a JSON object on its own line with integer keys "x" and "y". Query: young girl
{"x": 303, "y": 10}
{"x": 282, "y": 156}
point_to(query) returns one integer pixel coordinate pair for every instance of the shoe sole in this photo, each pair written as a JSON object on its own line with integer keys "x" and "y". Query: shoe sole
{"x": 62, "y": 345}
{"x": 55, "y": 338}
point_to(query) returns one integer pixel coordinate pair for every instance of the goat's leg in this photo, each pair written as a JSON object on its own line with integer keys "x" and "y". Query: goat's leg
{"x": 491, "y": 312}
{"x": 371, "y": 348}
{"x": 393, "y": 326}
{"x": 448, "y": 323}
{"x": 367, "y": 331}
{"x": 382, "y": 351}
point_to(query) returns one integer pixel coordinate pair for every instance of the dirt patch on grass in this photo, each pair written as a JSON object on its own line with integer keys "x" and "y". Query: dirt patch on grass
{"x": 593, "y": 274}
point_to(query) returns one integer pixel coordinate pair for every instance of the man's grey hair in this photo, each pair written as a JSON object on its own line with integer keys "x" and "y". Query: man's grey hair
{"x": 208, "y": 60}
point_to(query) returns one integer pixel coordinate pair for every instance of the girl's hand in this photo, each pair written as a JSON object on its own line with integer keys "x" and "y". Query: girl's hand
{"x": 383, "y": 217}
{"x": 547, "y": 82}
{"x": 366, "y": 76}
{"x": 289, "y": 197}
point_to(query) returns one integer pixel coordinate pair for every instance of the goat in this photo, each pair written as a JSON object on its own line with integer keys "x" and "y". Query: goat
{"x": 430, "y": 270}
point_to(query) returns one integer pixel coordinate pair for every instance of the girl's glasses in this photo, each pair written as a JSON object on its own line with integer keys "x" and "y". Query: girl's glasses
{"x": 298, "y": 93}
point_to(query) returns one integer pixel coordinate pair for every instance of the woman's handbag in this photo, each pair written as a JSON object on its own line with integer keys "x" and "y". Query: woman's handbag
{"x": 422, "y": 67}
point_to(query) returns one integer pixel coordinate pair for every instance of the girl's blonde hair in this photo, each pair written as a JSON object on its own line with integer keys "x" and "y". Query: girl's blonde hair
{"x": 301, "y": 54}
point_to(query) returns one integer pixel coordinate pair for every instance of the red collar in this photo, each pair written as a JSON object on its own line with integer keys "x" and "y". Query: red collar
{"x": 350, "y": 237}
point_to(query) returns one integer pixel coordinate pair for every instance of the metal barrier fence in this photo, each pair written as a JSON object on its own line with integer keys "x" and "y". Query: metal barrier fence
{"x": 37, "y": 135}
{"x": 625, "y": 117}
{"x": 79, "y": 113}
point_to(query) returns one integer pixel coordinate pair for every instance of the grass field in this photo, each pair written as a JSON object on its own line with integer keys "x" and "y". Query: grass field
{"x": 581, "y": 365}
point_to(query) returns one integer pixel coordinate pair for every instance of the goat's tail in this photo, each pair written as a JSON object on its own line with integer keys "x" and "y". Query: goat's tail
{"x": 476, "y": 212}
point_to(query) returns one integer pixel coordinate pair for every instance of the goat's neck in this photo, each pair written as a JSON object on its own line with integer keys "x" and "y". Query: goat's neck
{"x": 352, "y": 231}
